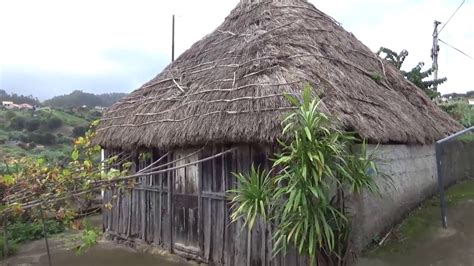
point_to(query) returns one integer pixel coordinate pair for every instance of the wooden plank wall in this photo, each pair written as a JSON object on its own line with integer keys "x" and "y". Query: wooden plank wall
{"x": 145, "y": 212}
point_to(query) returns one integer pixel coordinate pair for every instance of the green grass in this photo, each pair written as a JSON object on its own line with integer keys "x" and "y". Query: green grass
{"x": 51, "y": 152}
{"x": 69, "y": 119}
{"x": 424, "y": 220}
{"x": 469, "y": 137}
{"x": 3, "y": 134}
{"x": 12, "y": 151}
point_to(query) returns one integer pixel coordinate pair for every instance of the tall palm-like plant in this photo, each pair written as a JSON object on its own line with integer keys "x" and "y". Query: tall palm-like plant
{"x": 305, "y": 196}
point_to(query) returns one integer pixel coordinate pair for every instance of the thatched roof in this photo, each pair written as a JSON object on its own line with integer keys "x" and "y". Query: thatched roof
{"x": 229, "y": 86}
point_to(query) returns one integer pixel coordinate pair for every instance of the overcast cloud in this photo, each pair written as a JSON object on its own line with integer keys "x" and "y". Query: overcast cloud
{"x": 52, "y": 47}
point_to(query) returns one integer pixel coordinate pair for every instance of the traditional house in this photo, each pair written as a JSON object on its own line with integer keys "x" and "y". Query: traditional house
{"x": 227, "y": 91}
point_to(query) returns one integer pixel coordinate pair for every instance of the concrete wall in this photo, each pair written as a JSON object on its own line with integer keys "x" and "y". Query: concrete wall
{"x": 413, "y": 178}
{"x": 412, "y": 170}
{"x": 457, "y": 159}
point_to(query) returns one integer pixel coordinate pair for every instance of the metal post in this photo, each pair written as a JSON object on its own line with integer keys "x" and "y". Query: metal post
{"x": 172, "y": 40}
{"x": 45, "y": 234}
{"x": 439, "y": 165}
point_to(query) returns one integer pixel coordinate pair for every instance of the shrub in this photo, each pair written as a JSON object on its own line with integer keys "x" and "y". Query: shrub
{"x": 49, "y": 139}
{"x": 54, "y": 123}
{"x": 93, "y": 115}
{"x": 43, "y": 139}
{"x": 12, "y": 247}
{"x": 32, "y": 124}
{"x": 18, "y": 123}
{"x": 10, "y": 115}
{"x": 21, "y": 231}
{"x": 79, "y": 131}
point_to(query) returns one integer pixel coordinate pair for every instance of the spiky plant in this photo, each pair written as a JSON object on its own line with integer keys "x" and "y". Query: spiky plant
{"x": 305, "y": 197}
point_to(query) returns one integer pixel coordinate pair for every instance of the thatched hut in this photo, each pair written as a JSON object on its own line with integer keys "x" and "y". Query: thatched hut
{"x": 227, "y": 90}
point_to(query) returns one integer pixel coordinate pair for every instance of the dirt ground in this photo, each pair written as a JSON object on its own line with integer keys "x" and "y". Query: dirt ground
{"x": 63, "y": 252}
{"x": 420, "y": 240}
{"x": 104, "y": 253}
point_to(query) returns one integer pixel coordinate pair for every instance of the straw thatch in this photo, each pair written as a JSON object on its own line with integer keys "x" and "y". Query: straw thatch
{"x": 229, "y": 86}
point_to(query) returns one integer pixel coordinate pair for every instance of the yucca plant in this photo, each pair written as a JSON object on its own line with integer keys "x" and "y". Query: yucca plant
{"x": 304, "y": 198}
{"x": 252, "y": 198}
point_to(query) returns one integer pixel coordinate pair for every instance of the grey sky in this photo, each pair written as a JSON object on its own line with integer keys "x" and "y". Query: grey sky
{"x": 52, "y": 47}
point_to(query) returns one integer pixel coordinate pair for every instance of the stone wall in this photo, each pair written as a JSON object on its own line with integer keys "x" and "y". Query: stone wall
{"x": 413, "y": 178}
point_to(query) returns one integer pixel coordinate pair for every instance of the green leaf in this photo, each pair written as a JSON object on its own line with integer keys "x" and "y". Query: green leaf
{"x": 8, "y": 180}
{"x": 75, "y": 155}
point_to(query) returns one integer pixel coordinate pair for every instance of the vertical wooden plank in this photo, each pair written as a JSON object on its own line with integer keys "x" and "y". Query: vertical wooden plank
{"x": 130, "y": 212}
{"x": 199, "y": 177}
{"x": 159, "y": 212}
{"x": 124, "y": 211}
{"x": 208, "y": 233}
{"x": 111, "y": 211}
{"x": 171, "y": 179}
{"x": 257, "y": 244}
{"x": 219, "y": 235}
{"x": 228, "y": 252}
{"x": 242, "y": 241}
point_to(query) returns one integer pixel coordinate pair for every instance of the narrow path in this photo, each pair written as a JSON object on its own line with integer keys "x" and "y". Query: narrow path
{"x": 420, "y": 240}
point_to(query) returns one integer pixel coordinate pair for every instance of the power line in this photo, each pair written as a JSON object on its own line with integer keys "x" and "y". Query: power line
{"x": 451, "y": 16}
{"x": 456, "y": 49}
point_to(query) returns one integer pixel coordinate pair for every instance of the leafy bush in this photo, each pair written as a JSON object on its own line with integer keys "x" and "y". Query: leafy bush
{"x": 79, "y": 131}
{"x": 460, "y": 111}
{"x": 18, "y": 123}
{"x": 32, "y": 124}
{"x": 93, "y": 115}
{"x": 12, "y": 247}
{"x": 10, "y": 115}
{"x": 89, "y": 236}
{"x": 21, "y": 231}
{"x": 40, "y": 138}
{"x": 54, "y": 123}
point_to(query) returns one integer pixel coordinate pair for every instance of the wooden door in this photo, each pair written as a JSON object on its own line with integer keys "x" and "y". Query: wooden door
{"x": 186, "y": 218}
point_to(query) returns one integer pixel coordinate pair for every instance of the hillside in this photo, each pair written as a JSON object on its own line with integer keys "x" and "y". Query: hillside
{"x": 79, "y": 99}
{"x": 44, "y": 133}
{"x": 4, "y": 96}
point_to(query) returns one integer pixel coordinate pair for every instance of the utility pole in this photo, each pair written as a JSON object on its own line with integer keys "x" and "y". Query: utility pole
{"x": 435, "y": 52}
{"x": 172, "y": 40}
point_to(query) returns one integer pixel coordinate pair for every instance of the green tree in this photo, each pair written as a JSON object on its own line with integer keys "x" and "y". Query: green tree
{"x": 304, "y": 193}
{"x": 416, "y": 75}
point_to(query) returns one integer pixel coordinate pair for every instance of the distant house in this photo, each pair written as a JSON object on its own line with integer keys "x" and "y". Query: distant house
{"x": 26, "y": 106}
{"x": 8, "y": 104}
{"x": 11, "y": 105}
{"x": 99, "y": 108}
